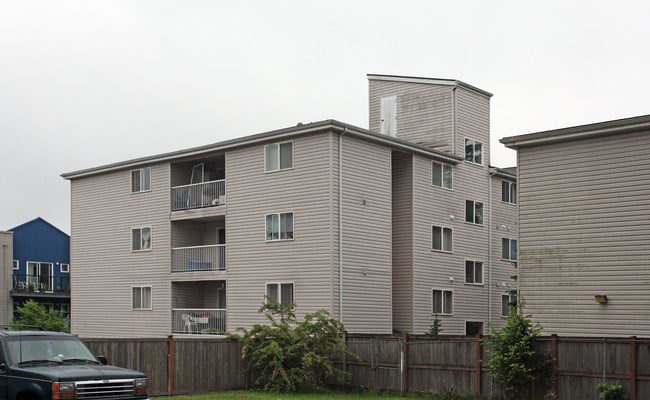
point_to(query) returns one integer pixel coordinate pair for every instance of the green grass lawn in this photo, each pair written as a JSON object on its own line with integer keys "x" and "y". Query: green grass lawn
{"x": 259, "y": 395}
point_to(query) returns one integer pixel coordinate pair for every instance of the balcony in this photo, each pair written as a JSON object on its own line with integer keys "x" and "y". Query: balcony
{"x": 199, "y": 195}
{"x": 199, "y": 258}
{"x": 40, "y": 285}
{"x": 199, "y": 321}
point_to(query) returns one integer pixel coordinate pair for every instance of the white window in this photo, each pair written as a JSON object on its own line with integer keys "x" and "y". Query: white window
{"x": 509, "y": 249}
{"x": 509, "y": 192}
{"x": 443, "y": 301}
{"x": 441, "y": 238}
{"x": 278, "y": 156}
{"x": 508, "y": 301}
{"x": 141, "y": 239}
{"x": 65, "y": 268}
{"x": 474, "y": 272}
{"x": 474, "y": 212}
{"x": 141, "y": 296}
{"x": 16, "y": 264}
{"x": 441, "y": 175}
{"x": 141, "y": 180}
{"x": 280, "y": 292}
{"x": 279, "y": 226}
{"x": 473, "y": 151}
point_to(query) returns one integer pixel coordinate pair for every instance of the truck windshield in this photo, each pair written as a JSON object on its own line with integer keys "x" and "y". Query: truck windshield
{"x": 23, "y": 349}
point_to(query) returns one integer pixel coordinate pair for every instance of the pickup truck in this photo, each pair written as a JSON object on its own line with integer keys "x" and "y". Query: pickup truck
{"x": 39, "y": 365}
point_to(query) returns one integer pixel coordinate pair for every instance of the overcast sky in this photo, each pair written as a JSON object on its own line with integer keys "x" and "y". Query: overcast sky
{"x": 87, "y": 83}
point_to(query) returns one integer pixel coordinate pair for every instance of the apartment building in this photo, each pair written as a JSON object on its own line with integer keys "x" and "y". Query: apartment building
{"x": 6, "y": 305}
{"x": 584, "y": 227}
{"x": 385, "y": 228}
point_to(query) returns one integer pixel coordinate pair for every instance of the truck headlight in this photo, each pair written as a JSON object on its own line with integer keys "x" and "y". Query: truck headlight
{"x": 63, "y": 390}
{"x": 141, "y": 386}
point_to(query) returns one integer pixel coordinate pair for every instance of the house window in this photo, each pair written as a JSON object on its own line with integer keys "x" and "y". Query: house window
{"x": 280, "y": 292}
{"x": 141, "y": 239}
{"x": 65, "y": 268}
{"x": 441, "y": 238}
{"x": 473, "y": 151}
{"x": 279, "y": 226}
{"x": 16, "y": 264}
{"x": 443, "y": 302}
{"x": 508, "y": 302}
{"x": 474, "y": 272}
{"x": 474, "y": 212}
{"x": 141, "y": 297}
{"x": 509, "y": 192}
{"x": 441, "y": 175}
{"x": 509, "y": 249}
{"x": 278, "y": 156}
{"x": 141, "y": 180}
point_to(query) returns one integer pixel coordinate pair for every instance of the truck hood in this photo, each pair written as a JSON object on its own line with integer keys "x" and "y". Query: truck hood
{"x": 77, "y": 372}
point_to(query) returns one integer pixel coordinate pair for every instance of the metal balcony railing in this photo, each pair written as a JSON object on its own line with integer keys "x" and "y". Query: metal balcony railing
{"x": 199, "y": 195}
{"x": 197, "y": 321}
{"x": 199, "y": 258}
{"x": 41, "y": 283}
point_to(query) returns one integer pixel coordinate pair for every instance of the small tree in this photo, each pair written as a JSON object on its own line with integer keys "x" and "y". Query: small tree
{"x": 32, "y": 315}
{"x": 435, "y": 328}
{"x": 512, "y": 361}
{"x": 287, "y": 356}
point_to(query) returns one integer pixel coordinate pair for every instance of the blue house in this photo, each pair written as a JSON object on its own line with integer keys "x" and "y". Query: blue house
{"x": 41, "y": 265}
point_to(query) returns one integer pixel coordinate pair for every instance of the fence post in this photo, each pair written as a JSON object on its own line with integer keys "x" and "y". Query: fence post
{"x": 633, "y": 368}
{"x": 554, "y": 363}
{"x": 478, "y": 366}
{"x": 170, "y": 367}
{"x": 404, "y": 364}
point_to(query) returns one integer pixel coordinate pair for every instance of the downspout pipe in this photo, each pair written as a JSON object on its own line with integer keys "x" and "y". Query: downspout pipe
{"x": 453, "y": 120}
{"x": 343, "y": 132}
{"x": 491, "y": 172}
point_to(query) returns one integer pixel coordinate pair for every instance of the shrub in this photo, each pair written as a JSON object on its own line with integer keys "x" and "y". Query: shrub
{"x": 34, "y": 315}
{"x": 435, "y": 328}
{"x": 512, "y": 361}
{"x": 611, "y": 391}
{"x": 288, "y": 356}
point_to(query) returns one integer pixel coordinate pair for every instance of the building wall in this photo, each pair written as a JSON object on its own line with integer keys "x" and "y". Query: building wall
{"x": 105, "y": 269}
{"x": 585, "y": 230}
{"x": 6, "y": 304}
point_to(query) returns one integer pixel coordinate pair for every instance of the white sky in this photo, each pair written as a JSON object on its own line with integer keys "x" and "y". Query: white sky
{"x": 87, "y": 83}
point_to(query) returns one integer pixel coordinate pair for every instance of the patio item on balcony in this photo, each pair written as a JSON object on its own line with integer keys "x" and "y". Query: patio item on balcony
{"x": 191, "y": 326}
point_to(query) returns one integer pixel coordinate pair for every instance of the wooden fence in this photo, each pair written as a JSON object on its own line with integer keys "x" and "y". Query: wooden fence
{"x": 395, "y": 363}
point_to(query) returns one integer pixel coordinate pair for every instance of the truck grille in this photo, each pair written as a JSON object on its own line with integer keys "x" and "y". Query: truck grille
{"x": 105, "y": 389}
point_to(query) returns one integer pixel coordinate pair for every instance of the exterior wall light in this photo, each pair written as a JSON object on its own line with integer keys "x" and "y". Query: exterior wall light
{"x": 601, "y": 298}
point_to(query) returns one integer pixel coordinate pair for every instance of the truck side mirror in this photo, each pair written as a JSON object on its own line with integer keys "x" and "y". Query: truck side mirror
{"x": 102, "y": 359}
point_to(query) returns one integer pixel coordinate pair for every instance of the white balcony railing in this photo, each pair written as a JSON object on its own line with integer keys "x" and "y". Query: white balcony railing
{"x": 199, "y": 195}
{"x": 199, "y": 258}
{"x": 199, "y": 321}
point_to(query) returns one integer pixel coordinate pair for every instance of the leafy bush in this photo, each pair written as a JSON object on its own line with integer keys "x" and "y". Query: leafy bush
{"x": 512, "y": 361}
{"x": 288, "y": 356}
{"x": 611, "y": 391}
{"x": 435, "y": 327}
{"x": 452, "y": 394}
{"x": 34, "y": 315}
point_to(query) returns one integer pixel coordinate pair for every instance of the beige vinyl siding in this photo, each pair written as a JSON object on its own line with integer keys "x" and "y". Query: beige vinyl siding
{"x": 424, "y": 112}
{"x": 472, "y": 121}
{"x": 433, "y": 269}
{"x": 6, "y": 303}
{"x": 402, "y": 241}
{"x": 367, "y": 232}
{"x": 103, "y": 212}
{"x": 585, "y": 230}
{"x": 306, "y": 261}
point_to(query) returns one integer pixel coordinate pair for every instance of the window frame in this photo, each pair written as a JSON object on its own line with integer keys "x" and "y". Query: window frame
{"x": 279, "y": 239}
{"x": 140, "y": 228}
{"x": 474, "y": 213}
{"x": 442, "y": 237}
{"x": 510, "y": 241}
{"x": 279, "y": 156}
{"x": 67, "y": 270}
{"x": 474, "y": 265}
{"x": 511, "y": 191}
{"x": 142, "y": 297}
{"x": 279, "y": 289}
{"x": 510, "y": 302}
{"x": 140, "y": 171}
{"x": 442, "y": 175}
{"x": 442, "y": 307}
{"x": 15, "y": 265}
{"x": 474, "y": 142}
